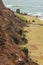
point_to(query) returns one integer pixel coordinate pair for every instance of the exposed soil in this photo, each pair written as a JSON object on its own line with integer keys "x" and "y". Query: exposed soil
{"x": 10, "y": 53}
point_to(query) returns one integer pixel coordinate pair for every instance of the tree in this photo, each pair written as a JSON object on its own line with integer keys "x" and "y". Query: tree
{"x": 18, "y": 11}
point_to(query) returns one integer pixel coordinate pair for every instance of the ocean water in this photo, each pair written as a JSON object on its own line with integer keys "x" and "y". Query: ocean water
{"x": 33, "y": 7}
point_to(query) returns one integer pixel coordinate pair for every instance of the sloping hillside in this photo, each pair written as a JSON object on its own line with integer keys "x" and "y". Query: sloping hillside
{"x": 10, "y": 53}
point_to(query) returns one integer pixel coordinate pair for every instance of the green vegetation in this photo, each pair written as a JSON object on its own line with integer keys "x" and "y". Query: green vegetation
{"x": 24, "y": 49}
{"x": 29, "y": 21}
{"x": 25, "y": 13}
{"x": 20, "y": 32}
{"x": 33, "y": 20}
{"x": 18, "y": 11}
{"x": 15, "y": 39}
{"x": 26, "y": 21}
{"x": 21, "y": 17}
{"x": 24, "y": 39}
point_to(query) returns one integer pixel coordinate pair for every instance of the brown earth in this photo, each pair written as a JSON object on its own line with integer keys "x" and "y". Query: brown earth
{"x": 10, "y": 53}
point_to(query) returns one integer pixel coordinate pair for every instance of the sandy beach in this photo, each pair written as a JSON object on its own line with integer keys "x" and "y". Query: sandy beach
{"x": 35, "y": 39}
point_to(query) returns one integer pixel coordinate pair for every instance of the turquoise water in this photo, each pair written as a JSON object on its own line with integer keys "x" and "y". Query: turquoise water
{"x": 27, "y": 6}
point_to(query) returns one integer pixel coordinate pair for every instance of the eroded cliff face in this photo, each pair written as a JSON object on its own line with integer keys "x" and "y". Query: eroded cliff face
{"x": 10, "y": 53}
{"x": 1, "y": 4}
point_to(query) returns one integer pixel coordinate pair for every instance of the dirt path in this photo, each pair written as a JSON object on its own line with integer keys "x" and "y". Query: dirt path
{"x": 35, "y": 42}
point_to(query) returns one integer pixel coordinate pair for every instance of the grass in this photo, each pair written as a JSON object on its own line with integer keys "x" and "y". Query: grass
{"x": 23, "y": 46}
{"x": 21, "y": 17}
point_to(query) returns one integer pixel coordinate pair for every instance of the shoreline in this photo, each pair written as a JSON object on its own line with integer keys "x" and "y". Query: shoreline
{"x": 38, "y": 15}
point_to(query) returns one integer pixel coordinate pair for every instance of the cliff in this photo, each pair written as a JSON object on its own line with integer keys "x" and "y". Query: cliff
{"x": 10, "y": 53}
